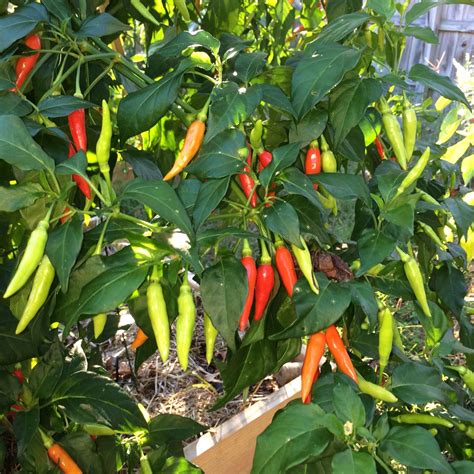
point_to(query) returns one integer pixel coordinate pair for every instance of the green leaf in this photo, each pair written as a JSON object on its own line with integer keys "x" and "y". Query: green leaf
{"x": 110, "y": 289}
{"x": 441, "y": 84}
{"x": 167, "y": 428}
{"x": 77, "y": 164}
{"x": 425, "y": 34}
{"x": 449, "y": 125}
{"x": 249, "y": 365}
{"x": 101, "y": 25}
{"x": 344, "y": 186}
{"x": 294, "y": 436}
{"x": 348, "y": 103}
{"x": 162, "y": 199}
{"x": 418, "y": 384}
{"x": 341, "y": 27}
{"x": 353, "y": 462}
{"x": 19, "y": 196}
{"x": 282, "y": 219}
{"x": 46, "y": 374}
{"x": 25, "y": 425}
{"x": 62, "y": 105}
{"x": 249, "y": 65}
{"x": 224, "y": 289}
{"x": 450, "y": 286}
{"x": 462, "y": 212}
{"x": 219, "y": 157}
{"x": 140, "y": 110}
{"x": 19, "y": 149}
{"x": 363, "y": 295}
{"x": 320, "y": 69}
{"x": 210, "y": 235}
{"x": 310, "y": 127}
{"x": 230, "y": 106}
{"x": 64, "y": 244}
{"x": 295, "y": 182}
{"x": 184, "y": 40}
{"x": 374, "y": 247}
{"x": 91, "y": 398}
{"x": 13, "y": 104}
{"x": 316, "y": 312}
{"x": 420, "y": 8}
{"x": 386, "y": 8}
{"x": 415, "y": 447}
{"x": 18, "y": 24}
{"x": 59, "y": 9}
{"x": 175, "y": 465}
{"x": 283, "y": 157}
{"x": 274, "y": 96}
{"x": 210, "y": 195}
{"x": 348, "y": 406}
{"x": 463, "y": 467}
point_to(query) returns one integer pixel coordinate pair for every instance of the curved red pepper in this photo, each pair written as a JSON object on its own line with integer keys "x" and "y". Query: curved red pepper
{"x": 249, "y": 263}
{"x": 246, "y": 181}
{"x": 25, "y": 64}
{"x": 310, "y": 370}
{"x": 286, "y": 268}
{"x": 379, "y": 146}
{"x": 339, "y": 351}
{"x": 77, "y": 126}
{"x": 264, "y": 285}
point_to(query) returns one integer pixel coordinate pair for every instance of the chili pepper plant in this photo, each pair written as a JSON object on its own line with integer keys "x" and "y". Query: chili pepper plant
{"x": 273, "y": 155}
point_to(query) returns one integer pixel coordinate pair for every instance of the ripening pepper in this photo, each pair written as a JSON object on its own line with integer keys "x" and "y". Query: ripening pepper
{"x": 422, "y": 419}
{"x": 249, "y": 263}
{"x": 339, "y": 352}
{"x": 328, "y": 160}
{"x": 409, "y": 127}
{"x": 39, "y": 293}
{"x": 303, "y": 257}
{"x": 103, "y": 142}
{"x": 385, "y": 338}
{"x": 25, "y": 64}
{"x": 192, "y": 143}
{"x": 247, "y": 183}
{"x": 264, "y": 284}
{"x": 264, "y": 159}
{"x": 394, "y": 133}
{"x": 139, "y": 340}
{"x": 413, "y": 175}
{"x": 31, "y": 258}
{"x": 415, "y": 278}
{"x": 376, "y": 391}
{"x": 158, "y": 314}
{"x": 59, "y": 456}
{"x": 185, "y": 322}
{"x": 210, "y": 335}
{"x": 313, "y": 163}
{"x": 466, "y": 374}
{"x": 285, "y": 266}
{"x": 310, "y": 370}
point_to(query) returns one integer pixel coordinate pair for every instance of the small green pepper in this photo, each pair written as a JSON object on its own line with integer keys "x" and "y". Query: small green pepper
{"x": 303, "y": 257}
{"x": 422, "y": 419}
{"x": 210, "y": 335}
{"x": 185, "y": 322}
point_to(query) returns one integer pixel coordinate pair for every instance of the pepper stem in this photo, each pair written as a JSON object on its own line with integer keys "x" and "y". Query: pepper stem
{"x": 265, "y": 256}
{"x": 246, "y": 250}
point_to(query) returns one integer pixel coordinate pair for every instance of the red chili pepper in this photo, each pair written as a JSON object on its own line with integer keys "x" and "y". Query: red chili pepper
{"x": 66, "y": 215}
{"x": 246, "y": 181}
{"x": 82, "y": 184}
{"x": 310, "y": 370}
{"x": 285, "y": 267}
{"x": 339, "y": 351}
{"x": 249, "y": 263}
{"x": 264, "y": 285}
{"x": 264, "y": 159}
{"x": 271, "y": 197}
{"x": 18, "y": 373}
{"x": 77, "y": 126}
{"x": 379, "y": 146}
{"x": 312, "y": 163}
{"x": 25, "y": 64}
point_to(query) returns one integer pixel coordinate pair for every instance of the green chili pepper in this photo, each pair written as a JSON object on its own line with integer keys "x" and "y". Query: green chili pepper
{"x": 183, "y": 10}
{"x": 394, "y": 133}
{"x": 328, "y": 160}
{"x": 256, "y": 136}
{"x": 415, "y": 278}
{"x": 145, "y": 467}
{"x": 329, "y": 198}
{"x": 397, "y": 340}
{"x": 39, "y": 293}
{"x": 470, "y": 432}
{"x": 158, "y": 314}
{"x": 381, "y": 40}
{"x": 185, "y": 322}
{"x": 414, "y": 173}
{"x": 368, "y": 36}
{"x": 409, "y": 127}
{"x": 96, "y": 429}
{"x": 210, "y": 334}
{"x": 103, "y": 143}
{"x": 433, "y": 235}
{"x": 99, "y": 321}
{"x": 422, "y": 419}
{"x": 376, "y": 391}
{"x": 466, "y": 374}
{"x": 303, "y": 257}
{"x": 32, "y": 256}
{"x": 385, "y": 338}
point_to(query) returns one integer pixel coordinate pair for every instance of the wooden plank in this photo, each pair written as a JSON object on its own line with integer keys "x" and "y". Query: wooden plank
{"x": 230, "y": 448}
